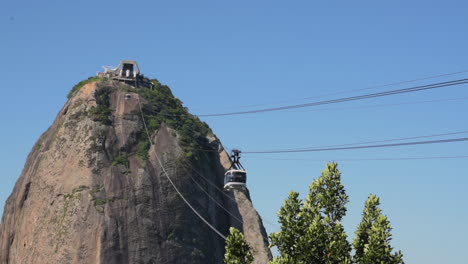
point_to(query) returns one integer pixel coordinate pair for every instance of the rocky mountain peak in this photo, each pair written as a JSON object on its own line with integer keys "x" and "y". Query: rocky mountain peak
{"x": 93, "y": 191}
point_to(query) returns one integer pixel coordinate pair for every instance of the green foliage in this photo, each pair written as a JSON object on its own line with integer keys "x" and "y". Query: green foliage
{"x": 372, "y": 240}
{"x": 121, "y": 160}
{"x": 237, "y": 249}
{"x": 79, "y": 85}
{"x": 101, "y": 111}
{"x": 142, "y": 149}
{"x": 99, "y": 202}
{"x": 80, "y": 189}
{"x": 38, "y": 145}
{"x": 100, "y": 114}
{"x": 161, "y": 108}
{"x": 327, "y": 194}
{"x": 102, "y": 96}
{"x": 291, "y": 229}
{"x": 96, "y": 189}
{"x": 312, "y": 232}
{"x": 370, "y": 214}
{"x": 169, "y": 110}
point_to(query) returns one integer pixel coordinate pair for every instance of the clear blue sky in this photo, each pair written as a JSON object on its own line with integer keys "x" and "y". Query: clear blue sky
{"x": 217, "y": 55}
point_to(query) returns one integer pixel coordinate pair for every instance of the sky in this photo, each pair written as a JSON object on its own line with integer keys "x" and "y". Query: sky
{"x": 220, "y": 56}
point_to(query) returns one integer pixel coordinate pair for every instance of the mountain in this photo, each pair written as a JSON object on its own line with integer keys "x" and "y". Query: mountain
{"x": 93, "y": 190}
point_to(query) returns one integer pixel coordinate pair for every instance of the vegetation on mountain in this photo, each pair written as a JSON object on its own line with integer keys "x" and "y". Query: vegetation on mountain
{"x": 79, "y": 85}
{"x": 170, "y": 111}
{"x": 165, "y": 109}
{"x": 101, "y": 111}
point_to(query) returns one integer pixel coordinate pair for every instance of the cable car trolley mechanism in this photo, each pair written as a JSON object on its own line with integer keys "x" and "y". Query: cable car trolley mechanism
{"x": 236, "y": 176}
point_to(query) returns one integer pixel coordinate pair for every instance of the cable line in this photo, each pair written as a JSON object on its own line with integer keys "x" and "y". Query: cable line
{"x": 346, "y": 99}
{"x": 224, "y": 193}
{"x": 375, "y": 141}
{"x": 214, "y": 199}
{"x": 363, "y": 159}
{"x": 211, "y": 197}
{"x": 201, "y": 175}
{"x": 353, "y": 90}
{"x": 360, "y": 147}
{"x": 172, "y": 183}
{"x": 354, "y": 107}
{"x": 212, "y": 184}
{"x": 382, "y": 105}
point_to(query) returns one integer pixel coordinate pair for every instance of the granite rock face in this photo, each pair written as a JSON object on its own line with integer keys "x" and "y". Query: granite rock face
{"x": 85, "y": 196}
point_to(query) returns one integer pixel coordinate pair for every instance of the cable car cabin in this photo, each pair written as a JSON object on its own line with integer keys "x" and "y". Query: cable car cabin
{"x": 235, "y": 179}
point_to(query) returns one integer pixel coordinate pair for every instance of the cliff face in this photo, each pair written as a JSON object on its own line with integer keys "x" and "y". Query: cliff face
{"x": 93, "y": 191}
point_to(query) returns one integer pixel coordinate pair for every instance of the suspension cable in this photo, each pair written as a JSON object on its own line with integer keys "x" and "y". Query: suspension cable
{"x": 364, "y": 159}
{"x": 170, "y": 180}
{"x": 375, "y": 141}
{"x": 362, "y": 147}
{"x": 351, "y": 90}
{"x": 346, "y": 99}
{"x": 211, "y": 197}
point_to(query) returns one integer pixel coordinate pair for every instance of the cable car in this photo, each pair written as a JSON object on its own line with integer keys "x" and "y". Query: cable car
{"x": 235, "y": 179}
{"x": 236, "y": 176}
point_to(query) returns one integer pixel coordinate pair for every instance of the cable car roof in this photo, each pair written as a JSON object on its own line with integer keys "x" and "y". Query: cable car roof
{"x": 235, "y": 171}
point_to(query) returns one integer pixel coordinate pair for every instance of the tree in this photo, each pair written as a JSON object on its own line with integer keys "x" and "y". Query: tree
{"x": 291, "y": 230}
{"x": 372, "y": 240}
{"x": 369, "y": 216}
{"x": 237, "y": 249}
{"x": 312, "y": 232}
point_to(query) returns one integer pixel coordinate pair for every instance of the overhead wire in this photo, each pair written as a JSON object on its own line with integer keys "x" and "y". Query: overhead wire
{"x": 172, "y": 183}
{"x": 146, "y": 129}
{"x": 224, "y": 193}
{"x": 363, "y": 159}
{"x": 345, "y": 99}
{"x": 376, "y": 141}
{"x": 353, "y": 90}
{"x": 361, "y": 147}
{"x": 212, "y": 184}
{"x": 220, "y": 205}
{"x": 391, "y": 92}
{"x": 363, "y": 107}
{"x": 381, "y": 105}
{"x": 211, "y": 197}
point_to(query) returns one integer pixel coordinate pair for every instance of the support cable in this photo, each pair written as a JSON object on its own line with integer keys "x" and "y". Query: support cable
{"x": 170, "y": 180}
{"x": 224, "y": 193}
{"x": 361, "y": 147}
{"x": 352, "y": 90}
{"x": 346, "y": 99}
{"x": 376, "y": 141}
{"x": 364, "y": 159}
{"x": 380, "y": 105}
{"x": 212, "y": 184}
{"x": 211, "y": 197}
